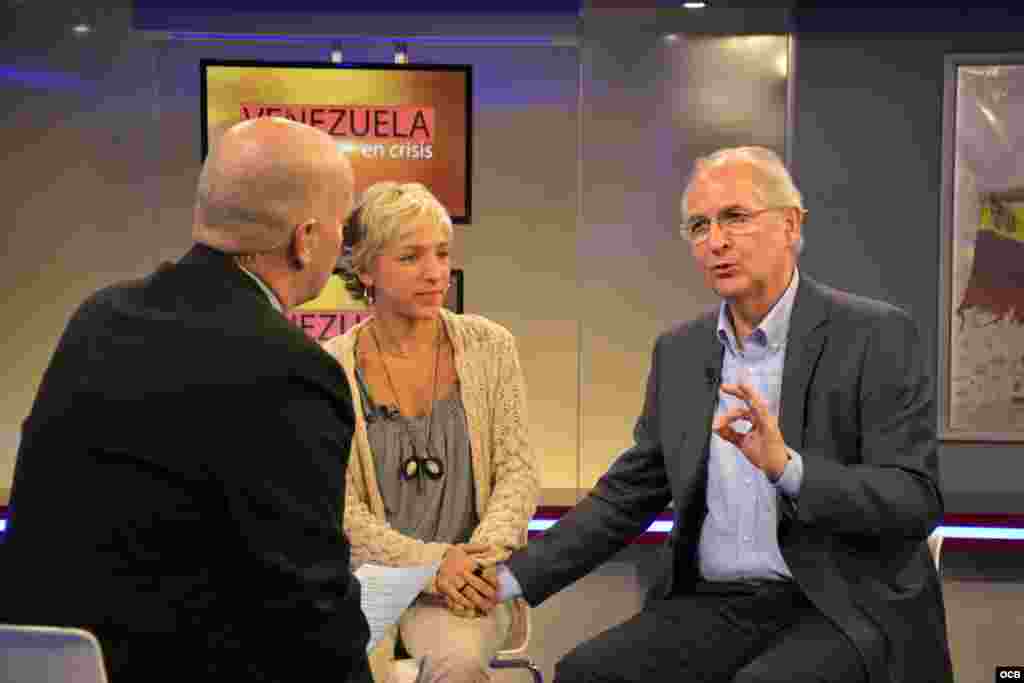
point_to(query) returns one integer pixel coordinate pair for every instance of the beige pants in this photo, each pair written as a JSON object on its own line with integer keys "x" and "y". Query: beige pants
{"x": 457, "y": 650}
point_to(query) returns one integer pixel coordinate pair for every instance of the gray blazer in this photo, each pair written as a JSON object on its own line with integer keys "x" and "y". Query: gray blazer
{"x": 857, "y": 405}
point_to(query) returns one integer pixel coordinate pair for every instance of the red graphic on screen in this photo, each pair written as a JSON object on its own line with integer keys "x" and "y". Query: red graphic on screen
{"x": 405, "y": 122}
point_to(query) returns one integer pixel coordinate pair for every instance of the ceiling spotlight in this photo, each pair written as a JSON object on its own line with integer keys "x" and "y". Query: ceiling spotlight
{"x": 401, "y": 53}
{"x": 337, "y": 56}
{"x": 695, "y": 5}
{"x": 81, "y": 29}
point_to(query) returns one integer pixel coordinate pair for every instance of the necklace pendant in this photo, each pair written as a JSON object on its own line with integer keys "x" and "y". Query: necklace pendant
{"x": 410, "y": 467}
{"x": 433, "y": 467}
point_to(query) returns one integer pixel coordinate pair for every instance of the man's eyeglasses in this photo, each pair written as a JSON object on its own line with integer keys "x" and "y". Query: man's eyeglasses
{"x": 732, "y": 221}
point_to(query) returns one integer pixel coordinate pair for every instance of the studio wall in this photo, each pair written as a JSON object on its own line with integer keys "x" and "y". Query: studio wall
{"x": 867, "y": 155}
{"x": 102, "y": 155}
{"x": 584, "y": 129}
{"x": 107, "y": 159}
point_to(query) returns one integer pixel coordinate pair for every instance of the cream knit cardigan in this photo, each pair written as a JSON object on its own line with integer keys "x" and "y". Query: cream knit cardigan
{"x": 504, "y": 467}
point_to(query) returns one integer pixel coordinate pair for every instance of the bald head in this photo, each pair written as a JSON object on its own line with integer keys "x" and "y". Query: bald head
{"x": 262, "y": 178}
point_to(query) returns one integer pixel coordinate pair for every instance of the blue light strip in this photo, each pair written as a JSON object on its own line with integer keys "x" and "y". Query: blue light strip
{"x": 985, "y": 533}
{"x": 43, "y": 78}
{"x": 988, "y": 533}
{"x": 331, "y": 39}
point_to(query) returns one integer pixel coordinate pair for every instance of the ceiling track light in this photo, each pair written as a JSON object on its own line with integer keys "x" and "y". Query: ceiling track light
{"x": 401, "y": 53}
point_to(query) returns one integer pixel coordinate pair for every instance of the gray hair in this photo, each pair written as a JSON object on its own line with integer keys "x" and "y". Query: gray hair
{"x": 773, "y": 183}
{"x": 377, "y": 221}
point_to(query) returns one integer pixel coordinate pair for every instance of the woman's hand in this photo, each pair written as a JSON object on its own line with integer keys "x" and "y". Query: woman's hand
{"x": 462, "y": 582}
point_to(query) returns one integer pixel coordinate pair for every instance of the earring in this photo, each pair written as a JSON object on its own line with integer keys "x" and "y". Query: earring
{"x": 369, "y": 295}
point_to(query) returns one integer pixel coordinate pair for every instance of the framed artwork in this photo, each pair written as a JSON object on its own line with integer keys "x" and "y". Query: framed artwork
{"x": 981, "y": 349}
{"x": 336, "y": 310}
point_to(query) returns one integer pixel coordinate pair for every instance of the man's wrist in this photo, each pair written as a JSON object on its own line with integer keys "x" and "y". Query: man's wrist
{"x": 792, "y": 477}
{"x": 782, "y": 459}
{"x": 508, "y": 585}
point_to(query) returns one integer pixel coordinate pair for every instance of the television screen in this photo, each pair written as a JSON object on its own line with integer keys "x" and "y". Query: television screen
{"x": 401, "y": 122}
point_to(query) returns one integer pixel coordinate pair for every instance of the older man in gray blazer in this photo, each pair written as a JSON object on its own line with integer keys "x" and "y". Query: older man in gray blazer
{"x": 791, "y": 429}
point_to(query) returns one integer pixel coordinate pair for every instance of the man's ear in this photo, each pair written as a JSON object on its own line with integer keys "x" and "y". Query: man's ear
{"x": 794, "y": 222}
{"x": 303, "y": 243}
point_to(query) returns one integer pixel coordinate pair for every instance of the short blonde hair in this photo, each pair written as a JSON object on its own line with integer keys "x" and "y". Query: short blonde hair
{"x": 377, "y": 221}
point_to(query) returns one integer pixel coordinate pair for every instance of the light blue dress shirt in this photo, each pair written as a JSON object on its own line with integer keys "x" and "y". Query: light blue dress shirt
{"x": 739, "y": 540}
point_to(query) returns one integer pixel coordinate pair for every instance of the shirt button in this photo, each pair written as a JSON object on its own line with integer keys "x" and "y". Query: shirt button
{"x": 747, "y": 539}
{"x": 748, "y": 481}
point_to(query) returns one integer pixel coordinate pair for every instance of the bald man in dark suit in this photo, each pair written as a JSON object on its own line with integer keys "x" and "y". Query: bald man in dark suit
{"x": 179, "y": 485}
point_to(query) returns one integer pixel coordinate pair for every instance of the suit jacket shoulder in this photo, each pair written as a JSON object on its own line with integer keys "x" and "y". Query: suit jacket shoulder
{"x": 854, "y": 307}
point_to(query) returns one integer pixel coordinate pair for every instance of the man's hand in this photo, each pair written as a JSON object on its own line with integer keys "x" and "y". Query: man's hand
{"x": 762, "y": 444}
{"x": 466, "y": 586}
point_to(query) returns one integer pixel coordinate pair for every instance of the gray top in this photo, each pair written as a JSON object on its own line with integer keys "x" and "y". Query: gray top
{"x": 433, "y": 510}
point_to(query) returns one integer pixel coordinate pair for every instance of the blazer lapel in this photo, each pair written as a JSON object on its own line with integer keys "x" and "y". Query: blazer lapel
{"x": 807, "y": 334}
{"x": 695, "y": 373}
{"x": 714, "y": 355}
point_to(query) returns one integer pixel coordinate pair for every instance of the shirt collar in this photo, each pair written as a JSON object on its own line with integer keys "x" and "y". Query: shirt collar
{"x": 274, "y": 301}
{"x": 773, "y": 329}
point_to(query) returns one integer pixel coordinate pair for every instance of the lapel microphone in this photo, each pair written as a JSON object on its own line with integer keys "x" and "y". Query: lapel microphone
{"x": 382, "y": 413}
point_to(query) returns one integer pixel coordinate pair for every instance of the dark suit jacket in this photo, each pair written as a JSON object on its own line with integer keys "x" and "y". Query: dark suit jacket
{"x": 857, "y": 405}
{"x": 179, "y": 486}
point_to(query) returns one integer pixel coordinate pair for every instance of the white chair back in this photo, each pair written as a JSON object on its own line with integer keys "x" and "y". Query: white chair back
{"x": 935, "y": 548}
{"x": 518, "y": 633}
{"x": 48, "y": 654}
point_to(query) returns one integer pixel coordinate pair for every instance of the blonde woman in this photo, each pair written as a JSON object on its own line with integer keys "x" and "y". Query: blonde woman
{"x": 441, "y": 467}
